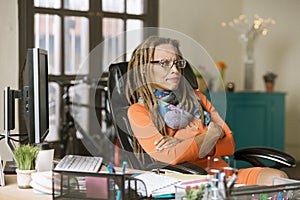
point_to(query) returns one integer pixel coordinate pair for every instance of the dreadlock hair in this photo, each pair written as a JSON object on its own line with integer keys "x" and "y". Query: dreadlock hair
{"x": 139, "y": 84}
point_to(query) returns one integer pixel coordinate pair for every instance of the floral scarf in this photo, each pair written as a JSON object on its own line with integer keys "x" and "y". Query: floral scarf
{"x": 175, "y": 117}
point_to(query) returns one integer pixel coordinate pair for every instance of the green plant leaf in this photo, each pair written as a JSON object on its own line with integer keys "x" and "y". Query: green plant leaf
{"x": 26, "y": 156}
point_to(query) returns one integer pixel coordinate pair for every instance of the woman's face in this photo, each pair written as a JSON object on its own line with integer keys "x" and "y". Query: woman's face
{"x": 166, "y": 78}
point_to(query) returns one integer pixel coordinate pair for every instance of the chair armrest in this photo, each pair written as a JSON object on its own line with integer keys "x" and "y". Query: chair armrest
{"x": 186, "y": 167}
{"x": 254, "y": 156}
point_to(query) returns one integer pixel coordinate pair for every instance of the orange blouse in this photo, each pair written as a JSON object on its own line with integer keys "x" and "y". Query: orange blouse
{"x": 187, "y": 150}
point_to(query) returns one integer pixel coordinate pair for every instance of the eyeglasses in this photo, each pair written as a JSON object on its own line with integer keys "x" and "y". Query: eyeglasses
{"x": 168, "y": 64}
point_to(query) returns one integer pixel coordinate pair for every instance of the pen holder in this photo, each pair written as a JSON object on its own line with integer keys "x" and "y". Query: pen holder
{"x": 82, "y": 185}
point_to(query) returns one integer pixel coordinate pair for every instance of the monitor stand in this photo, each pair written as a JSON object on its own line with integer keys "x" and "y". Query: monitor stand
{"x": 9, "y": 109}
{"x": 10, "y": 167}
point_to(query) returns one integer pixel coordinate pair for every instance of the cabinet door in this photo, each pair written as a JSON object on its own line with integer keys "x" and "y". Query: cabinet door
{"x": 256, "y": 119}
{"x": 250, "y": 122}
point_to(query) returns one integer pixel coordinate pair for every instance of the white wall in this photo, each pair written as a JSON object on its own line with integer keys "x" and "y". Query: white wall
{"x": 200, "y": 19}
{"x": 278, "y": 51}
{"x": 8, "y": 57}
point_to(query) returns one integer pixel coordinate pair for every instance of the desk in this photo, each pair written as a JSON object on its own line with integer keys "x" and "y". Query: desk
{"x": 11, "y": 191}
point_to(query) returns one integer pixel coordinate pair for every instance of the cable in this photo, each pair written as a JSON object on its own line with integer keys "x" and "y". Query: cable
{"x": 18, "y": 135}
{"x": 20, "y": 141}
{"x": 2, "y": 136}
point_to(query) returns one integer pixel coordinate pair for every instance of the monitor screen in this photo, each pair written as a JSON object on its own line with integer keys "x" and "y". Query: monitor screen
{"x": 34, "y": 83}
{"x": 9, "y": 107}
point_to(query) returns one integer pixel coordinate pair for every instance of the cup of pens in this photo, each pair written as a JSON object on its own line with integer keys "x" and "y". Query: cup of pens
{"x": 222, "y": 179}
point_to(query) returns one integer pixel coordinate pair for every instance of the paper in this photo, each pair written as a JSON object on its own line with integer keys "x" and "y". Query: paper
{"x": 44, "y": 160}
{"x": 42, "y": 182}
{"x": 156, "y": 185}
{"x": 2, "y": 182}
{"x": 184, "y": 177}
{"x": 279, "y": 180}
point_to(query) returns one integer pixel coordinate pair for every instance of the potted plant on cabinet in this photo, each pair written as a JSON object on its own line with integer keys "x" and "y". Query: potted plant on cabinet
{"x": 269, "y": 79}
{"x": 25, "y": 157}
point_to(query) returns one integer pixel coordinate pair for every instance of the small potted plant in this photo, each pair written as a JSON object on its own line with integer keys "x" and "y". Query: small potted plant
{"x": 25, "y": 157}
{"x": 269, "y": 79}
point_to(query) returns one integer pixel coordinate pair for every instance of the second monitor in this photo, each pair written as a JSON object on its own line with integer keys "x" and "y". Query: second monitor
{"x": 35, "y": 99}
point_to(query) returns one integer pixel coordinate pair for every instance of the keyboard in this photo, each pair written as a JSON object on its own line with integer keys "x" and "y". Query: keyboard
{"x": 76, "y": 163}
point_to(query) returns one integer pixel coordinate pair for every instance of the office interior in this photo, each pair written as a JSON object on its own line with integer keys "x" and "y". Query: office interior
{"x": 201, "y": 20}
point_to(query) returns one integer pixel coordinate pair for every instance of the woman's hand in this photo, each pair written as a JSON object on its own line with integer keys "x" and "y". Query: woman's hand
{"x": 166, "y": 142}
{"x": 207, "y": 141}
{"x": 215, "y": 129}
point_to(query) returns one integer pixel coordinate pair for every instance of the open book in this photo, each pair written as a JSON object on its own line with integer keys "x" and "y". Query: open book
{"x": 156, "y": 185}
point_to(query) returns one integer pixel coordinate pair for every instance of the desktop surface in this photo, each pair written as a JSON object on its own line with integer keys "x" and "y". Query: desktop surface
{"x": 11, "y": 191}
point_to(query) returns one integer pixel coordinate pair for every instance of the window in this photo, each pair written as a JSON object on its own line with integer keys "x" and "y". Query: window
{"x": 69, "y": 30}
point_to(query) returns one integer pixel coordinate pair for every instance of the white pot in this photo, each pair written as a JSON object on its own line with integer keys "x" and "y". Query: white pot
{"x": 24, "y": 178}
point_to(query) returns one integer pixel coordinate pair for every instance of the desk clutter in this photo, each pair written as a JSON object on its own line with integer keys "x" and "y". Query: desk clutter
{"x": 121, "y": 184}
{"x": 124, "y": 186}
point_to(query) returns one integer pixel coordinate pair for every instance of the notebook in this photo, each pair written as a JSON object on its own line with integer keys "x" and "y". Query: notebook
{"x": 155, "y": 184}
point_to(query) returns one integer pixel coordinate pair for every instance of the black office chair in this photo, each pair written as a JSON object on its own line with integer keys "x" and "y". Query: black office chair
{"x": 118, "y": 107}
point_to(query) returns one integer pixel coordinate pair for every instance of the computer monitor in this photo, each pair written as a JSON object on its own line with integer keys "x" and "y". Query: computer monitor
{"x": 33, "y": 95}
{"x": 35, "y": 100}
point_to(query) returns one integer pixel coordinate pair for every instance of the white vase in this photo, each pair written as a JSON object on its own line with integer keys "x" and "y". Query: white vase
{"x": 248, "y": 42}
{"x": 249, "y": 75}
{"x": 24, "y": 178}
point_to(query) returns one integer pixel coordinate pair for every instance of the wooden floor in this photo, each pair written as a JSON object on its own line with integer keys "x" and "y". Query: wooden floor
{"x": 294, "y": 173}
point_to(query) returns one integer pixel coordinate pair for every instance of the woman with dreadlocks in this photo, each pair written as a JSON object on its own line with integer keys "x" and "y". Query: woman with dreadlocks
{"x": 174, "y": 123}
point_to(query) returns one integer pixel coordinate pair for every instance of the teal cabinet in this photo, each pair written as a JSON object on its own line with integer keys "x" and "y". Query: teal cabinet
{"x": 256, "y": 119}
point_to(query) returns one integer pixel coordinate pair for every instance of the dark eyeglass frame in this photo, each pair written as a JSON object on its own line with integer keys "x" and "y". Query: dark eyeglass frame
{"x": 163, "y": 63}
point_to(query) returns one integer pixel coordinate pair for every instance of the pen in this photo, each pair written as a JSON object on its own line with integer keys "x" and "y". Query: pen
{"x": 164, "y": 196}
{"x": 225, "y": 187}
{"x": 118, "y": 196}
{"x": 109, "y": 169}
{"x": 112, "y": 167}
{"x": 111, "y": 188}
{"x": 135, "y": 174}
{"x": 232, "y": 180}
{"x": 124, "y": 167}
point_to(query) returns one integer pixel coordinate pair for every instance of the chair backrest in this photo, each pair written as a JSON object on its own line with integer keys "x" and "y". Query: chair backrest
{"x": 119, "y": 106}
